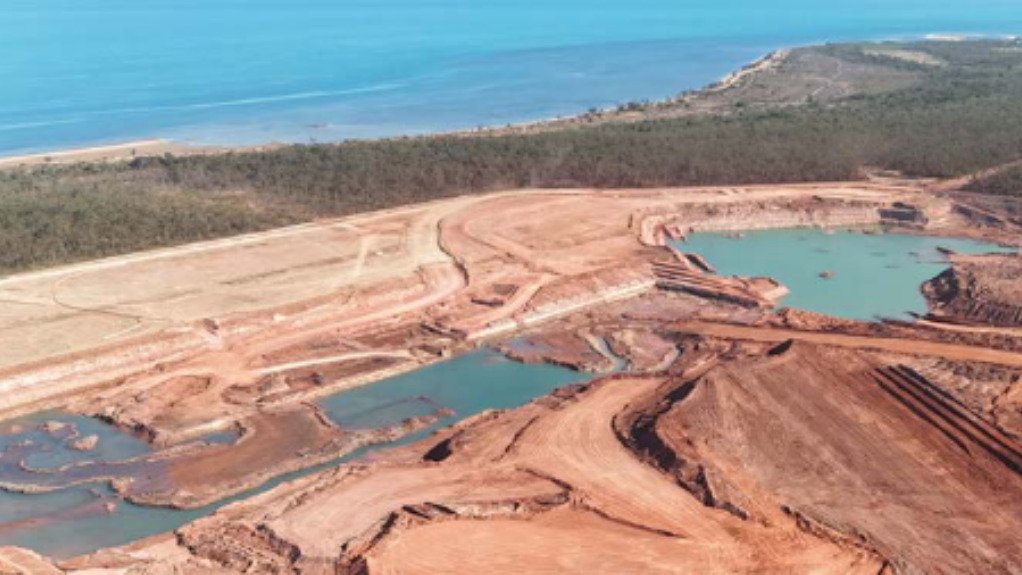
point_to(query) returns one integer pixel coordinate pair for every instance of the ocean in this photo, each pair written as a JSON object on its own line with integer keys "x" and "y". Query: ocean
{"x": 76, "y": 73}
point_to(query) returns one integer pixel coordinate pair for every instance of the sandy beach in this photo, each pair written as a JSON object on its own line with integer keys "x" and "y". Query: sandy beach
{"x": 113, "y": 153}
{"x": 105, "y": 153}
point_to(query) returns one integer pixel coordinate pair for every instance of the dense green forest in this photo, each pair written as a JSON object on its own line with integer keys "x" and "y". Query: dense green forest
{"x": 965, "y": 114}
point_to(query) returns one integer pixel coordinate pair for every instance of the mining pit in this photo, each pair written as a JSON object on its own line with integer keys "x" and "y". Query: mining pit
{"x": 704, "y": 430}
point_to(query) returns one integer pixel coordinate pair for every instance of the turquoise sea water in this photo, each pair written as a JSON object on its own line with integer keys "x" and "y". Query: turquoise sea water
{"x": 73, "y": 521}
{"x": 874, "y": 276}
{"x": 76, "y": 72}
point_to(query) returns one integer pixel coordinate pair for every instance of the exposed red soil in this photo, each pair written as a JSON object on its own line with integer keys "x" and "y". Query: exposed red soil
{"x": 568, "y": 349}
{"x": 643, "y": 348}
{"x": 952, "y": 351}
{"x": 800, "y": 459}
{"x": 979, "y": 290}
{"x": 874, "y": 452}
{"x": 548, "y": 478}
{"x": 746, "y": 468}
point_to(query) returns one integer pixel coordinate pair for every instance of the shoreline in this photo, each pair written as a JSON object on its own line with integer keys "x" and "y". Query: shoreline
{"x": 98, "y": 153}
{"x": 155, "y": 146}
{"x": 124, "y": 151}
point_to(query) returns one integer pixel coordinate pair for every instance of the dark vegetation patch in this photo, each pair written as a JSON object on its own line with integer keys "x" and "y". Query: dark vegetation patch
{"x": 1004, "y": 183}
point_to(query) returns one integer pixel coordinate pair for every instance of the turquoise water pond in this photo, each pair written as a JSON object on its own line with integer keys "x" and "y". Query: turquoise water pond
{"x": 73, "y": 521}
{"x": 874, "y": 276}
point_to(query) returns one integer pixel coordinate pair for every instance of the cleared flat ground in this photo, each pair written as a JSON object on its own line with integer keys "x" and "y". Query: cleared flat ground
{"x": 79, "y": 307}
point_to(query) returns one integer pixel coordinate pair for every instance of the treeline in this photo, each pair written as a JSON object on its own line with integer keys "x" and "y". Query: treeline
{"x": 50, "y": 222}
{"x": 966, "y": 116}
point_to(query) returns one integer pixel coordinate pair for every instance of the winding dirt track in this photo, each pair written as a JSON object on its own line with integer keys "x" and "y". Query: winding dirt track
{"x": 581, "y": 448}
{"x": 282, "y": 367}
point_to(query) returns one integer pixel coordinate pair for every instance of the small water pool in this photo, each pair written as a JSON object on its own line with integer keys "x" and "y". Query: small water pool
{"x": 869, "y": 276}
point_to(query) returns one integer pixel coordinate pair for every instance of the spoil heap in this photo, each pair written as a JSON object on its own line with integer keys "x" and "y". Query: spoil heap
{"x": 983, "y": 290}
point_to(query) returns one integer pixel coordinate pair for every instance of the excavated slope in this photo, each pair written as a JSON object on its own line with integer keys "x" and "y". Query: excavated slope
{"x": 869, "y": 453}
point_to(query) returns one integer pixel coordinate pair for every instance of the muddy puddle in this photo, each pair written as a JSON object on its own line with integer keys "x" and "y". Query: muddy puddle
{"x": 80, "y": 513}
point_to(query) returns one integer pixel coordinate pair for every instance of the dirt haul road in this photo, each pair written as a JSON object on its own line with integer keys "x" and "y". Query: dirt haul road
{"x": 902, "y": 346}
